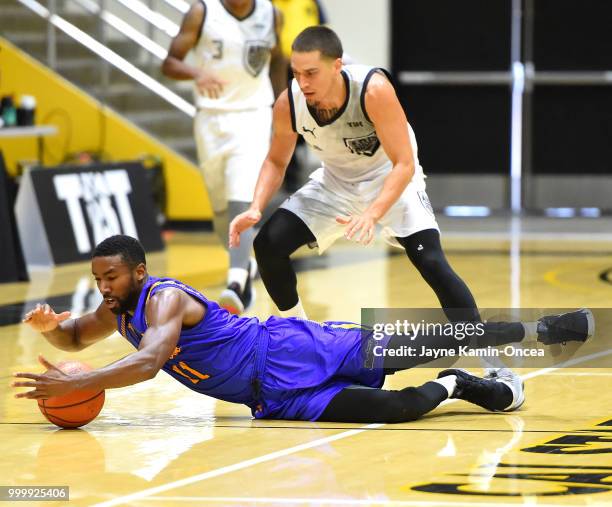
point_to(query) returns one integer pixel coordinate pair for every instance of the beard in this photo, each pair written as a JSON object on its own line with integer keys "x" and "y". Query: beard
{"x": 128, "y": 303}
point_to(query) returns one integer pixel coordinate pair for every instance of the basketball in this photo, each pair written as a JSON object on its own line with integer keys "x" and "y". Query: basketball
{"x": 76, "y": 408}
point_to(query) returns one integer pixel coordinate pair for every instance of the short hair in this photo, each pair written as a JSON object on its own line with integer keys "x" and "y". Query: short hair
{"x": 318, "y": 38}
{"x": 129, "y": 248}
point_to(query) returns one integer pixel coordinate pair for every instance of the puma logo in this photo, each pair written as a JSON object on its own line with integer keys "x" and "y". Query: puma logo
{"x": 309, "y": 131}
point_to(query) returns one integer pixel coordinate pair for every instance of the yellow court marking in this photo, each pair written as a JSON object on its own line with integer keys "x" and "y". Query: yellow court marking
{"x": 551, "y": 277}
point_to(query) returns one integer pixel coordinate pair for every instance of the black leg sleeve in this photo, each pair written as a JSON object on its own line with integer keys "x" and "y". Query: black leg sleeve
{"x": 366, "y": 405}
{"x": 279, "y": 237}
{"x": 494, "y": 334}
{"x": 425, "y": 252}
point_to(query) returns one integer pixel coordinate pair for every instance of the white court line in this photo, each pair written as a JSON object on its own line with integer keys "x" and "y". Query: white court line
{"x": 594, "y": 374}
{"x": 302, "y": 447}
{"x": 202, "y": 500}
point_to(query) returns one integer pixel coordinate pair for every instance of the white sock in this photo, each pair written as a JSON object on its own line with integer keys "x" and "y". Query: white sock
{"x": 531, "y": 330}
{"x": 238, "y": 275}
{"x": 449, "y": 383}
{"x": 296, "y": 311}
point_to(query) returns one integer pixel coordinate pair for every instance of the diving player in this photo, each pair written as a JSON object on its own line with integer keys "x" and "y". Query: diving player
{"x": 281, "y": 368}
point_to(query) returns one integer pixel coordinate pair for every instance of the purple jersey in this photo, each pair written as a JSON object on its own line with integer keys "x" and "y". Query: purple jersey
{"x": 282, "y": 369}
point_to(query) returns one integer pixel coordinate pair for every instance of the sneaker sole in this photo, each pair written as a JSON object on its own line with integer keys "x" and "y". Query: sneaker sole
{"x": 590, "y": 323}
{"x": 230, "y": 301}
{"x": 516, "y": 404}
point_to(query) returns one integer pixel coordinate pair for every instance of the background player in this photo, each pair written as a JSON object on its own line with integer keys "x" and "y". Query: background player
{"x": 236, "y": 48}
{"x": 297, "y": 15}
{"x": 371, "y": 175}
{"x": 281, "y": 369}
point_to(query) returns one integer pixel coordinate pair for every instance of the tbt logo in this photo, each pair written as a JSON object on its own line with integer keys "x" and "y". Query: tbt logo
{"x": 103, "y": 196}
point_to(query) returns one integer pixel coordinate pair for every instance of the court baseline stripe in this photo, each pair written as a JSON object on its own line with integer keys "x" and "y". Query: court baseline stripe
{"x": 302, "y": 447}
{"x": 431, "y": 430}
{"x": 201, "y": 500}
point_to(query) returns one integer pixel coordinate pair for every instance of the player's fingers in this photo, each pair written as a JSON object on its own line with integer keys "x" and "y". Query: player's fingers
{"x": 32, "y": 395}
{"x": 343, "y": 220}
{"x": 23, "y": 395}
{"x": 24, "y": 384}
{"x": 63, "y": 316}
{"x": 25, "y": 374}
{"x": 47, "y": 364}
{"x": 33, "y": 376}
{"x": 366, "y": 236}
{"x": 370, "y": 236}
{"x": 352, "y": 228}
{"x": 234, "y": 239}
{"x": 363, "y": 235}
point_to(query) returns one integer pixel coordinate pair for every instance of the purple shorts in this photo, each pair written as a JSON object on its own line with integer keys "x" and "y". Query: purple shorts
{"x": 308, "y": 363}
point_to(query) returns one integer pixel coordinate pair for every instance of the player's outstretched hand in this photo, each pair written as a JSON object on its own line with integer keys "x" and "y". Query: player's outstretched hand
{"x": 240, "y": 224}
{"x": 43, "y": 318}
{"x": 363, "y": 224}
{"x": 54, "y": 382}
{"x": 210, "y": 84}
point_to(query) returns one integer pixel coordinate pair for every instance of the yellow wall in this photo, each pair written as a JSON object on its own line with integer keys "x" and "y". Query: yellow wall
{"x": 78, "y": 119}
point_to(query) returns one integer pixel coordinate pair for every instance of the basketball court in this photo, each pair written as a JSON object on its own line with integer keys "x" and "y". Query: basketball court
{"x": 157, "y": 443}
{"x": 510, "y": 101}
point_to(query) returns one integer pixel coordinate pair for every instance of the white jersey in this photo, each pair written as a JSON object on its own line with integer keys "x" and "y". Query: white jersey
{"x": 347, "y": 144}
{"x": 238, "y": 52}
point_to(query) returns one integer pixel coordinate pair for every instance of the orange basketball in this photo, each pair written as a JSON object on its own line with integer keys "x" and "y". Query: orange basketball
{"x": 76, "y": 408}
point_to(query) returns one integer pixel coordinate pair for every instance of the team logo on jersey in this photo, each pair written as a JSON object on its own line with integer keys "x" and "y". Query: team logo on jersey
{"x": 425, "y": 201}
{"x": 309, "y": 131}
{"x": 365, "y": 145}
{"x": 256, "y": 54}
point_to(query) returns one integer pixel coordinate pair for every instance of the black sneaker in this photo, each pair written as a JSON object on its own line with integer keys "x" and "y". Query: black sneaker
{"x": 490, "y": 393}
{"x": 575, "y": 326}
{"x": 236, "y": 301}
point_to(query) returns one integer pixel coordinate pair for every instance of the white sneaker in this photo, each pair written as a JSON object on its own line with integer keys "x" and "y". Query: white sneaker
{"x": 513, "y": 381}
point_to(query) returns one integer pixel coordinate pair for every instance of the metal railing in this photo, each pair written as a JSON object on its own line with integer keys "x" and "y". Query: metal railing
{"x": 103, "y": 51}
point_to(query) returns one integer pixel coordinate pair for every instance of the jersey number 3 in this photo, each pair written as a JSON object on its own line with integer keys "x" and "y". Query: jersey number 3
{"x": 218, "y": 50}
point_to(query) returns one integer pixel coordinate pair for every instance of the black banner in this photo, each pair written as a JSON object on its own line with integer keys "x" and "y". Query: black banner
{"x": 12, "y": 266}
{"x": 82, "y": 205}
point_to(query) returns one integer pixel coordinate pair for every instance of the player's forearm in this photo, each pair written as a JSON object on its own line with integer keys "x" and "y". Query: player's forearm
{"x": 178, "y": 69}
{"x": 278, "y": 74}
{"x": 130, "y": 370}
{"x": 395, "y": 183}
{"x": 64, "y": 336}
{"x": 270, "y": 179}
